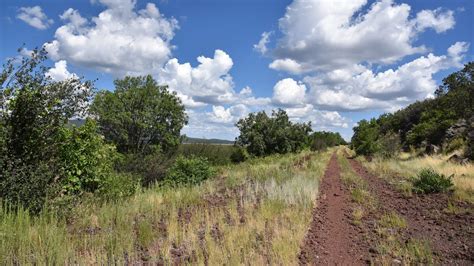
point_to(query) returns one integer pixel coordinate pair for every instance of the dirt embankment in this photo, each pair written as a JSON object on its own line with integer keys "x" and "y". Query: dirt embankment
{"x": 451, "y": 236}
{"x": 331, "y": 238}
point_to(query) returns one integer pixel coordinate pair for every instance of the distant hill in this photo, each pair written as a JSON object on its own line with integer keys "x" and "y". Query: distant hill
{"x": 189, "y": 140}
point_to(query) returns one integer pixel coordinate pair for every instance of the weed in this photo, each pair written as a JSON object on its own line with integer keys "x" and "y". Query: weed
{"x": 430, "y": 181}
{"x": 393, "y": 220}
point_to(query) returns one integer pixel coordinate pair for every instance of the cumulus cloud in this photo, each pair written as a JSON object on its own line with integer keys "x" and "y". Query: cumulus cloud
{"x": 437, "y": 19}
{"x": 261, "y": 46}
{"x": 208, "y": 83}
{"x": 288, "y": 92}
{"x": 120, "y": 40}
{"x": 360, "y": 88}
{"x": 287, "y": 65}
{"x": 35, "y": 17}
{"x": 327, "y": 35}
{"x": 60, "y": 72}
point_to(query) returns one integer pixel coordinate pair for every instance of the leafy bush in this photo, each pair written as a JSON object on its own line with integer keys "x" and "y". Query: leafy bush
{"x": 321, "y": 140}
{"x": 239, "y": 155}
{"x": 26, "y": 185}
{"x": 389, "y": 145}
{"x": 429, "y": 181}
{"x": 118, "y": 186}
{"x": 150, "y": 168}
{"x": 86, "y": 161}
{"x": 188, "y": 171}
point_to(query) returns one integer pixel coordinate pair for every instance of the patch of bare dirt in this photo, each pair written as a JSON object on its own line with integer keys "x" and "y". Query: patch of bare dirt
{"x": 451, "y": 236}
{"x": 331, "y": 238}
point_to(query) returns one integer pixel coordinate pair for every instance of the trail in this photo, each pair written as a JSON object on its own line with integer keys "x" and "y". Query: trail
{"x": 331, "y": 238}
{"x": 451, "y": 236}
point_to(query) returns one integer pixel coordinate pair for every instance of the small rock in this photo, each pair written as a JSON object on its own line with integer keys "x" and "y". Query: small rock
{"x": 396, "y": 261}
{"x": 373, "y": 250}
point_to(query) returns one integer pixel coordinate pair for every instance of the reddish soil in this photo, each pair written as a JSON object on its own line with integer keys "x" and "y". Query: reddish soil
{"x": 451, "y": 236}
{"x": 331, "y": 238}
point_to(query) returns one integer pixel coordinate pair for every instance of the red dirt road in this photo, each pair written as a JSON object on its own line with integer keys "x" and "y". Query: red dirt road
{"x": 331, "y": 238}
{"x": 451, "y": 236}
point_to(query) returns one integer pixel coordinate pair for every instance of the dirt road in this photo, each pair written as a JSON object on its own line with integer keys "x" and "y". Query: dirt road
{"x": 331, "y": 239}
{"x": 451, "y": 235}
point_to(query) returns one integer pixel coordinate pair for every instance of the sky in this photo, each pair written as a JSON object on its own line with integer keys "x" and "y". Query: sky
{"x": 329, "y": 62}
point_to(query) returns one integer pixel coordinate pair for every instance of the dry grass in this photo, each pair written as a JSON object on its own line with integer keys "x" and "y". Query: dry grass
{"x": 406, "y": 166}
{"x": 253, "y": 213}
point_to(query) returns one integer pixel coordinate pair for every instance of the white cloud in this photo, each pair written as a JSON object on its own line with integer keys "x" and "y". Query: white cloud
{"x": 35, "y": 17}
{"x": 360, "y": 88}
{"x": 59, "y": 72}
{"x": 437, "y": 19}
{"x": 208, "y": 83}
{"x": 228, "y": 116}
{"x": 261, "y": 46}
{"x": 288, "y": 92}
{"x": 119, "y": 40}
{"x": 287, "y": 65}
{"x": 327, "y": 35}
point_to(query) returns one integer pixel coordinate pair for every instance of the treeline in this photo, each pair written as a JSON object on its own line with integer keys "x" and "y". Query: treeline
{"x": 130, "y": 139}
{"x": 444, "y": 122}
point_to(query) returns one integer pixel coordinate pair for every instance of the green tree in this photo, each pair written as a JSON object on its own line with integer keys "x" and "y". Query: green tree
{"x": 321, "y": 140}
{"x": 365, "y": 138}
{"x": 263, "y": 135}
{"x": 140, "y": 115}
{"x": 33, "y": 111}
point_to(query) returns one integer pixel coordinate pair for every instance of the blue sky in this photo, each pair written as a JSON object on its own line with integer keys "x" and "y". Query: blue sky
{"x": 328, "y": 62}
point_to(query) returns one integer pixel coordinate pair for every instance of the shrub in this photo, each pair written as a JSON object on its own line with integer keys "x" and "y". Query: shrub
{"x": 429, "y": 181}
{"x": 188, "y": 171}
{"x": 389, "y": 145}
{"x": 239, "y": 155}
{"x": 150, "y": 168}
{"x": 85, "y": 159}
{"x": 118, "y": 186}
{"x": 455, "y": 144}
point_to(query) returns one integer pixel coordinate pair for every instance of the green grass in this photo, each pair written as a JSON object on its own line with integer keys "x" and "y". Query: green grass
{"x": 256, "y": 212}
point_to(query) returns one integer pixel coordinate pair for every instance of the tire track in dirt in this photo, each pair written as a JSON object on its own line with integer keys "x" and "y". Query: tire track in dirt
{"x": 331, "y": 238}
{"x": 451, "y": 236}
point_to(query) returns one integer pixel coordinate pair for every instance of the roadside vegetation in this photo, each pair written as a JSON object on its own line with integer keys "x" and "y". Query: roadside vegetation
{"x": 435, "y": 135}
{"x": 255, "y": 212}
{"x": 117, "y": 185}
{"x": 444, "y": 124}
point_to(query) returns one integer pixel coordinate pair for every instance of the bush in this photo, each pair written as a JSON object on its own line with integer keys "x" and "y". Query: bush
{"x": 85, "y": 159}
{"x": 429, "y": 181}
{"x": 239, "y": 155}
{"x": 118, "y": 186}
{"x": 150, "y": 168}
{"x": 188, "y": 171}
{"x": 455, "y": 144}
{"x": 389, "y": 145}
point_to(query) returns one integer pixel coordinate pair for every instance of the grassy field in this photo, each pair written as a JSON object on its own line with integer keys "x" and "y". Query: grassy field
{"x": 256, "y": 212}
{"x": 406, "y": 165}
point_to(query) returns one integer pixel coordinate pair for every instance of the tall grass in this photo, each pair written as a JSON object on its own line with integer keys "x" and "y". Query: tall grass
{"x": 252, "y": 213}
{"x": 407, "y": 165}
{"x": 215, "y": 153}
